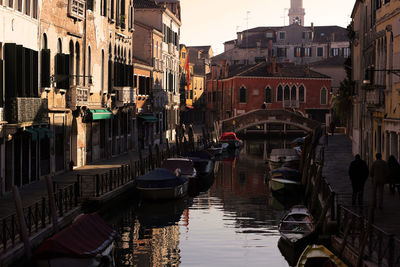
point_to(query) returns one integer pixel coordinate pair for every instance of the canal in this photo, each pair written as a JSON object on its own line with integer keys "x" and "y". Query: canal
{"x": 232, "y": 222}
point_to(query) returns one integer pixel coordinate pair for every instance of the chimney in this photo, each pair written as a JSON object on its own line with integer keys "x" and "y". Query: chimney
{"x": 332, "y": 37}
{"x": 307, "y": 70}
{"x": 273, "y": 66}
{"x": 270, "y": 48}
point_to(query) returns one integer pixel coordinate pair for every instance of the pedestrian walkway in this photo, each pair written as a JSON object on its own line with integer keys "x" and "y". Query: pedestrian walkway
{"x": 32, "y": 193}
{"x": 338, "y": 155}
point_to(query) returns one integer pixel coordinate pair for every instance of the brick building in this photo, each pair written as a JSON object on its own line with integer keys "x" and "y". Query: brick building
{"x": 237, "y": 89}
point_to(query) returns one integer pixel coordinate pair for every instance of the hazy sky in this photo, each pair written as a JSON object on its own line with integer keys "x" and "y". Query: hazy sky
{"x": 212, "y": 22}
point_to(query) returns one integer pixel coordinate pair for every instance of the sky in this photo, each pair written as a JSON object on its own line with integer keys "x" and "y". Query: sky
{"x": 213, "y": 22}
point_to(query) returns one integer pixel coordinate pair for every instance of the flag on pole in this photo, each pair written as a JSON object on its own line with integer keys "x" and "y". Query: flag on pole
{"x": 187, "y": 71}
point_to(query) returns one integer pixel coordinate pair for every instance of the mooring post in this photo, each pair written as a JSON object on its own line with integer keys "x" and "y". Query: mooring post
{"x": 52, "y": 203}
{"x": 22, "y": 223}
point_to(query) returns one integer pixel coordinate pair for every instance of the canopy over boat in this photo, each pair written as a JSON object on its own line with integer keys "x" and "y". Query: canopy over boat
{"x": 185, "y": 165}
{"x": 228, "y": 136}
{"x": 87, "y": 237}
{"x": 159, "y": 178}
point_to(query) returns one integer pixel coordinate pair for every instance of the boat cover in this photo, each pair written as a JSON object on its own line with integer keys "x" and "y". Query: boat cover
{"x": 159, "y": 178}
{"x": 87, "y": 237}
{"x": 185, "y": 165}
{"x": 228, "y": 136}
{"x": 203, "y": 154}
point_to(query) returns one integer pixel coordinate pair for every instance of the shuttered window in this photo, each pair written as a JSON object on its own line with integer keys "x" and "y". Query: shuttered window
{"x": 279, "y": 94}
{"x": 62, "y": 71}
{"x": 10, "y": 70}
{"x": 45, "y": 68}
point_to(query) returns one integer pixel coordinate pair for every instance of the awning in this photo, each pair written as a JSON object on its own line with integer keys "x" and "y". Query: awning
{"x": 42, "y": 133}
{"x": 101, "y": 114}
{"x": 148, "y": 118}
{"x": 33, "y": 133}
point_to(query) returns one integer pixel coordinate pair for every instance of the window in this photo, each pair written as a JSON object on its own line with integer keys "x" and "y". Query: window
{"x": 297, "y": 51}
{"x": 307, "y": 52}
{"x": 214, "y": 97}
{"x": 320, "y": 51}
{"x": 102, "y": 70}
{"x": 19, "y": 5}
{"x": 301, "y": 93}
{"x": 76, "y": 9}
{"x": 242, "y": 95}
{"x": 279, "y": 95}
{"x": 286, "y": 94}
{"x": 293, "y": 95}
{"x": 59, "y": 46}
{"x": 346, "y": 52}
{"x": 90, "y": 65}
{"x": 268, "y": 96}
{"x": 281, "y": 52}
{"x": 269, "y": 35}
{"x": 78, "y": 63}
{"x": 282, "y": 35}
{"x": 103, "y": 8}
{"x": 324, "y": 94}
{"x": 335, "y": 52}
{"x": 34, "y": 9}
{"x": 11, "y": 3}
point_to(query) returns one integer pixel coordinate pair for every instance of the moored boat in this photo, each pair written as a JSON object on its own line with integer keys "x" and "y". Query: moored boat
{"x": 297, "y": 227}
{"x": 231, "y": 139}
{"x": 286, "y": 173}
{"x": 88, "y": 242}
{"x": 287, "y": 157}
{"x": 185, "y": 165}
{"x": 218, "y": 149}
{"x": 285, "y": 186}
{"x": 319, "y": 256}
{"x": 162, "y": 184}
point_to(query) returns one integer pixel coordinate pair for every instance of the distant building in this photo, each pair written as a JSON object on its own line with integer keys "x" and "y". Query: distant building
{"x": 236, "y": 89}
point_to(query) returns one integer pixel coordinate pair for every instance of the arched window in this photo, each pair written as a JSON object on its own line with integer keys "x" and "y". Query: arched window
{"x": 293, "y": 92}
{"x": 59, "y": 46}
{"x": 268, "y": 95}
{"x": 242, "y": 95}
{"x": 44, "y": 41}
{"x": 90, "y": 80}
{"x": 324, "y": 96}
{"x": 78, "y": 62}
{"x": 279, "y": 94}
{"x": 71, "y": 61}
{"x": 156, "y": 49}
{"x": 301, "y": 93}
{"x": 286, "y": 94}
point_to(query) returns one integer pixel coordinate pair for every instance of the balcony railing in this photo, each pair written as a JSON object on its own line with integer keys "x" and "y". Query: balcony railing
{"x": 26, "y": 109}
{"x": 78, "y": 96}
{"x": 291, "y": 104}
{"x": 125, "y": 95}
{"x": 375, "y": 98}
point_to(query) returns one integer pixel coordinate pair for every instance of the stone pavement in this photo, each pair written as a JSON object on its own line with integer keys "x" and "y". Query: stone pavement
{"x": 338, "y": 155}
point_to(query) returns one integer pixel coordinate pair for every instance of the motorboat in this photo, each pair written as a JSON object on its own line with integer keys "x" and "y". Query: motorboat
{"x": 298, "y": 142}
{"x": 297, "y": 228}
{"x": 203, "y": 162}
{"x": 285, "y": 186}
{"x": 287, "y": 157}
{"x": 218, "y": 149}
{"x": 286, "y": 173}
{"x": 88, "y": 242}
{"x": 319, "y": 256}
{"x": 185, "y": 165}
{"x": 161, "y": 184}
{"x": 231, "y": 139}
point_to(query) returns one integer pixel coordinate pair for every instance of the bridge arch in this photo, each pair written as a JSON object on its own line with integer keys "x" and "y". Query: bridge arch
{"x": 261, "y": 116}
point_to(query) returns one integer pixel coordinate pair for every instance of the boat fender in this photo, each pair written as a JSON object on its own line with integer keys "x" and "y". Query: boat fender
{"x": 177, "y": 172}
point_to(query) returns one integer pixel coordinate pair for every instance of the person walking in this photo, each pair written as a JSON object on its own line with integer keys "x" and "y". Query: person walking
{"x": 379, "y": 173}
{"x": 358, "y": 172}
{"x": 394, "y": 173}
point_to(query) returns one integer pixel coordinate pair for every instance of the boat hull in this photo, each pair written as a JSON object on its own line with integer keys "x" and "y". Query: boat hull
{"x": 175, "y": 192}
{"x": 318, "y": 255}
{"x": 292, "y": 164}
{"x": 284, "y": 186}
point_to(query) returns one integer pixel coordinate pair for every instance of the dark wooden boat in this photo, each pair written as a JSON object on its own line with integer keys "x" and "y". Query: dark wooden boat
{"x": 319, "y": 256}
{"x": 185, "y": 165}
{"x": 162, "y": 184}
{"x": 297, "y": 227}
{"x": 88, "y": 242}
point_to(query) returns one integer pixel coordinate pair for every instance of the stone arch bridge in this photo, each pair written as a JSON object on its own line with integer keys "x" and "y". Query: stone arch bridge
{"x": 262, "y": 116}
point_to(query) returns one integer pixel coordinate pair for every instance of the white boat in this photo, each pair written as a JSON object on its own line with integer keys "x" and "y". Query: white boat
{"x": 185, "y": 165}
{"x": 287, "y": 157}
{"x": 88, "y": 242}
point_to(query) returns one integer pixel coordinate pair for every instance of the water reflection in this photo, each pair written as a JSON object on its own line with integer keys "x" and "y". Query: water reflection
{"x": 234, "y": 223}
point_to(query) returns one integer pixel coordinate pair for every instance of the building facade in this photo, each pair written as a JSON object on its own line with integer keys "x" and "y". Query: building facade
{"x": 237, "y": 89}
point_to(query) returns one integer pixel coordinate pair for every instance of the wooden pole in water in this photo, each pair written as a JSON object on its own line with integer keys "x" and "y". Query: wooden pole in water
{"x": 22, "y": 223}
{"x": 52, "y": 203}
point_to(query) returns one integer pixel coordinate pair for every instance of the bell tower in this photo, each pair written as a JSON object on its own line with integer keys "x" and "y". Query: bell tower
{"x": 296, "y": 12}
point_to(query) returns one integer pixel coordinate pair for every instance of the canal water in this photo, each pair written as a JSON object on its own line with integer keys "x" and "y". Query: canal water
{"x": 232, "y": 222}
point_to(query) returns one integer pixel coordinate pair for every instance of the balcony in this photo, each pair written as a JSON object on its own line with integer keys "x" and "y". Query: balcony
{"x": 125, "y": 95}
{"x": 375, "y": 98}
{"x": 291, "y": 103}
{"x": 172, "y": 49}
{"x": 174, "y": 98}
{"x": 26, "y": 110}
{"x": 78, "y": 96}
{"x": 157, "y": 64}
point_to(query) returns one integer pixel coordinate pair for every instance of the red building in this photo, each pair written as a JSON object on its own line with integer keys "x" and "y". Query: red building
{"x": 237, "y": 89}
